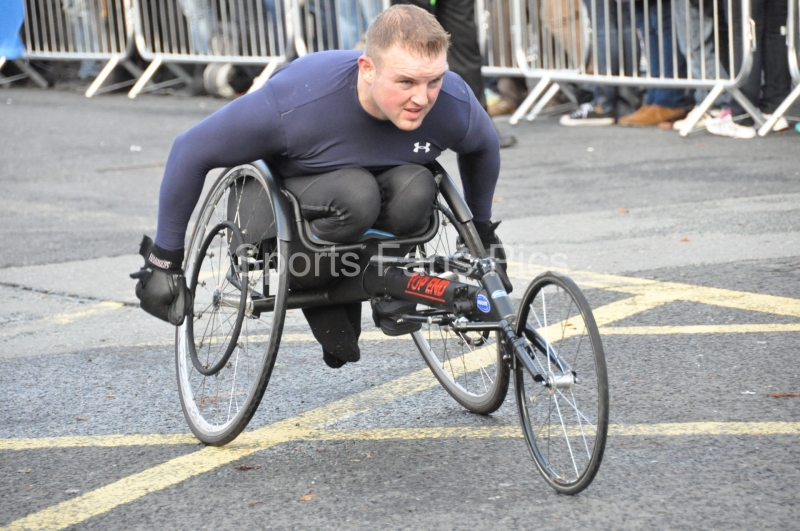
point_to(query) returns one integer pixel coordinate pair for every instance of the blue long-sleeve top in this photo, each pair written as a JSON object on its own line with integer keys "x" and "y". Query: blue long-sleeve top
{"x": 307, "y": 120}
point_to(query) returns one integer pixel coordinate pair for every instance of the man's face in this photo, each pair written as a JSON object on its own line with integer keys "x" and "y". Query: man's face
{"x": 401, "y": 87}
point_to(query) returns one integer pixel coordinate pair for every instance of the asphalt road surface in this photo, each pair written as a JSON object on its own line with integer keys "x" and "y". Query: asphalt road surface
{"x": 688, "y": 250}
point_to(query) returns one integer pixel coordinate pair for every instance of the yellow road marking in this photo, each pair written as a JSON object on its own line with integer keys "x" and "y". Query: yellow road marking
{"x": 740, "y": 300}
{"x": 97, "y": 440}
{"x": 647, "y": 294}
{"x": 133, "y": 487}
{"x": 672, "y": 291}
{"x": 256, "y": 439}
{"x": 94, "y": 309}
{"x": 698, "y": 329}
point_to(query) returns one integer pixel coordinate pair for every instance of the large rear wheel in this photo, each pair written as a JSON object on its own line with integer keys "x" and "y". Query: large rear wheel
{"x": 469, "y": 366}
{"x": 226, "y": 349}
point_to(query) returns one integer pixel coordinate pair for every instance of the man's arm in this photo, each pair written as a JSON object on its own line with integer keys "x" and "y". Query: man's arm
{"x": 479, "y": 162}
{"x": 245, "y": 130}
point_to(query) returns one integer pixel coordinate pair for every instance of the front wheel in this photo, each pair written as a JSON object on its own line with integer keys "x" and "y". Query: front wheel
{"x": 563, "y": 408}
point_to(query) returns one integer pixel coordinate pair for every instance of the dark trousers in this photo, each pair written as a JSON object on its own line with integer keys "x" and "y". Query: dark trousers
{"x": 769, "y": 58}
{"x": 660, "y": 43}
{"x": 343, "y": 205}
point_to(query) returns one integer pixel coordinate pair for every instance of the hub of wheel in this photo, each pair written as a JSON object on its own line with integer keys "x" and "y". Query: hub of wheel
{"x": 559, "y": 381}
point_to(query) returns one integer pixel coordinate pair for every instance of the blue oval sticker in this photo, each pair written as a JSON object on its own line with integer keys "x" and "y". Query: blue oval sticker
{"x": 483, "y": 303}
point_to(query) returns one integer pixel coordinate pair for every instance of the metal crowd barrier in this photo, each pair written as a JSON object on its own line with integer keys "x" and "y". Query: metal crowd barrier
{"x": 792, "y": 29}
{"x": 565, "y": 41}
{"x": 562, "y": 24}
{"x": 333, "y": 24}
{"x": 224, "y": 32}
{"x": 84, "y": 30}
{"x": 26, "y": 70}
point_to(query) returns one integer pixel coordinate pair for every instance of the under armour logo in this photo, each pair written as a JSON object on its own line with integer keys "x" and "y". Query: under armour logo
{"x": 426, "y": 147}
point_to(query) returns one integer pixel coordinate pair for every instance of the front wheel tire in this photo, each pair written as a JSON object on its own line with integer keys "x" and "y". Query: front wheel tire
{"x": 563, "y": 409}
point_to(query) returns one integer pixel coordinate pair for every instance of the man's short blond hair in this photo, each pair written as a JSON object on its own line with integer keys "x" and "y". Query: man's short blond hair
{"x": 410, "y": 27}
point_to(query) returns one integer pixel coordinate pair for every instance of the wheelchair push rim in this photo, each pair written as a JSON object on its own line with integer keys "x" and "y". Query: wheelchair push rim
{"x": 218, "y": 406}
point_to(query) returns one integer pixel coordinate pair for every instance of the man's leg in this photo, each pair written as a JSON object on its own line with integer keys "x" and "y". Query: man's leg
{"x": 341, "y": 206}
{"x": 407, "y": 196}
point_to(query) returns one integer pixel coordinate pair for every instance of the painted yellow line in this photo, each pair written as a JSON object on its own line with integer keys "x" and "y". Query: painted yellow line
{"x": 256, "y": 438}
{"x": 177, "y": 470}
{"x": 182, "y": 468}
{"x": 97, "y": 440}
{"x": 705, "y": 428}
{"x": 697, "y": 329}
{"x": 589, "y": 279}
{"x": 83, "y": 311}
{"x": 681, "y": 429}
{"x": 133, "y": 487}
{"x": 740, "y": 300}
{"x": 86, "y": 311}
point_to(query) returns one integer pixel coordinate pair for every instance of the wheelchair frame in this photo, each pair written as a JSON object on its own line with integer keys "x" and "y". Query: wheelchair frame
{"x": 467, "y": 298}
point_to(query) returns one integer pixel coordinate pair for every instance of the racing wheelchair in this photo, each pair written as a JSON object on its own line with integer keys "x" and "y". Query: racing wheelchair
{"x": 238, "y": 269}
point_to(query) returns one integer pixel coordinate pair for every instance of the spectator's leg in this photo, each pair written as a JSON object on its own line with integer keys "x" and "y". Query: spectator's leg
{"x": 752, "y": 87}
{"x": 661, "y": 57}
{"x": 457, "y": 17}
{"x": 605, "y": 27}
{"x": 777, "y": 79}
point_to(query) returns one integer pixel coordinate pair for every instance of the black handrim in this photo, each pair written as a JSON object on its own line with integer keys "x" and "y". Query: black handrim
{"x": 236, "y": 236}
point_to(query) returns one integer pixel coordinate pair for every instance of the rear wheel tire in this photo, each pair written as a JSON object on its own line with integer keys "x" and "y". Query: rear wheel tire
{"x": 470, "y": 367}
{"x": 227, "y": 272}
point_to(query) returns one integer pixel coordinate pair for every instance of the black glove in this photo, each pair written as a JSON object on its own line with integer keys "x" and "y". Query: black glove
{"x": 162, "y": 287}
{"x": 491, "y": 242}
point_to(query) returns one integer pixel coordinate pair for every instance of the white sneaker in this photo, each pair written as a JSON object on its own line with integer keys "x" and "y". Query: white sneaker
{"x": 701, "y": 123}
{"x": 780, "y": 125}
{"x": 724, "y": 125}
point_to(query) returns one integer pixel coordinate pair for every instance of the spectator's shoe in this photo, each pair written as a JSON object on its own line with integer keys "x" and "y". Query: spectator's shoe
{"x": 386, "y": 315}
{"x": 780, "y": 125}
{"x": 649, "y": 115}
{"x": 588, "y": 114}
{"x": 507, "y": 140}
{"x": 724, "y": 125}
{"x": 701, "y": 123}
{"x": 501, "y": 107}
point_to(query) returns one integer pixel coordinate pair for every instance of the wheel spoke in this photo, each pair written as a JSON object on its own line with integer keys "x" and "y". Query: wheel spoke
{"x": 563, "y": 419}
{"x": 218, "y": 406}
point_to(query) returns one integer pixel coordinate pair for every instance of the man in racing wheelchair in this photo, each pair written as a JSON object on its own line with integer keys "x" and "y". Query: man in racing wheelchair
{"x": 350, "y": 135}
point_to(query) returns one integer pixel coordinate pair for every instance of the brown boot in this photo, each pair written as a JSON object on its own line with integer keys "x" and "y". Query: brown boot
{"x": 648, "y": 115}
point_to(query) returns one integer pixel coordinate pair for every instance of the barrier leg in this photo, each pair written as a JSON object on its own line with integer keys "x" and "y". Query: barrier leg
{"x": 782, "y": 108}
{"x": 145, "y": 77}
{"x": 98, "y": 88}
{"x": 102, "y": 76}
{"x": 27, "y": 71}
{"x": 551, "y": 92}
{"x": 749, "y": 108}
{"x": 262, "y": 78}
{"x": 693, "y": 117}
{"x": 529, "y": 101}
